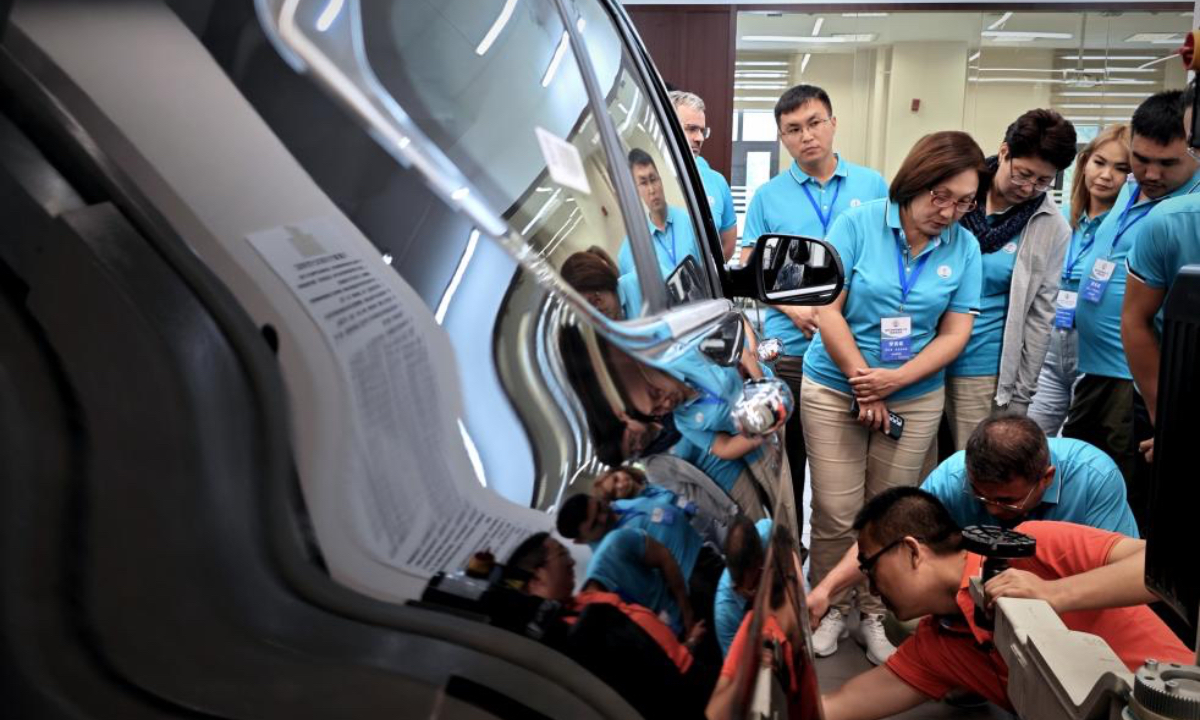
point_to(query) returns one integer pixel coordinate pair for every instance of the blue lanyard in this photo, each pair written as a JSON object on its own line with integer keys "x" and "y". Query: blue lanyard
{"x": 707, "y": 397}
{"x": 1073, "y": 258}
{"x": 825, "y": 219}
{"x": 907, "y": 280}
{"x": 670, "y": 233}
{"x": 1124, "y": 223}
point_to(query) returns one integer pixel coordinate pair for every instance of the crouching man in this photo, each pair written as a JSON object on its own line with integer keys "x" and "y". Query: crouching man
{"x": 909, "y": 549}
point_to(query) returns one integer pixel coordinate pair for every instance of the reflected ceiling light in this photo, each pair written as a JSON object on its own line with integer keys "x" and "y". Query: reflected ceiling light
{"x": 804, "y": 62}
{"x": 862, "y": 15}
{"x": 444, "y": 304}
{"x": 329, "y": 14}
{"x": 494, "y": 32}
{"x": 460, "y": 194}
{"x": 755, "y": 74}
{"x": 1087, "y": 93}
{"x": 1077, "y": 82}
{"x": 556, "y": 60}
{"x": 755, "y": 98}
{"x": 1156, "y": 38}
{"x": 758, "y": 86}
{"x": 1000, "y": 23}
{"x": 838, "y": 38}
{"x": 1088, "y": 71}
{"x": 762, "y": 63}
{"x": 387, "y": 258}
{"x": 1109, "y": 57}
{"x": 1025, "y": 35}
{"x": 855, "y": 37}
{"x": 974, "y": 57}
{"x": 820, "y": 23}
{"x": 1096, "y": 106}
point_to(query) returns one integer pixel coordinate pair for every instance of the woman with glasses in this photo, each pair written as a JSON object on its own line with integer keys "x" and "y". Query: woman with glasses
{"x": 1100, "y": 172}
{"x": 912, "y": 283}
{"x": 1023, "y": 238}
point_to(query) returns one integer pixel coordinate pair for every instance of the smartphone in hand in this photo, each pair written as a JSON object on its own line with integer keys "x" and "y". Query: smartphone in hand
{"x": 895, "y": 421}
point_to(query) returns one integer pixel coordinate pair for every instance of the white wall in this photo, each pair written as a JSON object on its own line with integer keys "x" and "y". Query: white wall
{"x": 934, "y": 73}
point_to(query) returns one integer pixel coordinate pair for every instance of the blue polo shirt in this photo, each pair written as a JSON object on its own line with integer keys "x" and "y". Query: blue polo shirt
{"x": 718, "y": 194}
{"x": 981, "y": 356}
{"x": 619, "y": 564}
{"x": 728, "y": 607}
{"x": 1099, "y": 324}
{"x": 717, "y": 390}
{"x": 1170, "y": 240}
{"x": 658, "y": 516}
{"x": 629, "y": 293}
{"x": 723, "y": 472}
{"x": 1082, "y": 239}
{"x": 788, "y": 202}
{"x": 1087, "y": 489}
{"x": 671, "y": 244}
{"x": 949, "y": 281}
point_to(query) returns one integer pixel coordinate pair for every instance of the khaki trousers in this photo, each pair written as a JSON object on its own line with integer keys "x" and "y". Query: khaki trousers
{"x": 851, "y": 464}
{"x": 969, "y": 401}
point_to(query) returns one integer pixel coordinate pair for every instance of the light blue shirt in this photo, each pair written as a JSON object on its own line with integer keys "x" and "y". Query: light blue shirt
{"x": 629, "y": 293}
{"x": 619, "y": 564}
{"x": 723, "y": 472}
{"x": 783, "y": 205}
{"x": 949, "y": 281}
{"x": 729, "y": 607}
{"x": 1170, "y": 240}
{"x": 718, "y": 390}
{"x": 718, "y": 194}
{"x": 981, "y": 356}
{"x": 1099, "y": 324}
{"x": 1087, "y": 489}
{"x": 1082, "y": 239}
{"x": 671, "y": 244}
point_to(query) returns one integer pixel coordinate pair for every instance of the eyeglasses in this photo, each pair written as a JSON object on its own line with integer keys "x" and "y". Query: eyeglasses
{"x": 866, "y": 565}
{"x": 942, "y": 201}
{"x": 1023, "y": 180}
{"x": 696, "y": 129}
{"x": 969, "y": 489}
{"x": 812, "y": 126}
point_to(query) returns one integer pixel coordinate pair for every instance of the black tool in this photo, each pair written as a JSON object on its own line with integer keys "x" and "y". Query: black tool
{"x": 997, "y": 546}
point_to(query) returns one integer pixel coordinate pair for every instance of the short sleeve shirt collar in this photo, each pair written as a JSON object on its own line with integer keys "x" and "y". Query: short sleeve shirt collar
{"x": 802, "y": 177}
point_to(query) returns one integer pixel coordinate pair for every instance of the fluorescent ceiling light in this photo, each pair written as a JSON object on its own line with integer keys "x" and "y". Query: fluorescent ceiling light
{"x": 1110, "y": 57}
{"x": 862, "y": 15}
{"x": 494, "y": 32}
{"x": 1025, "y": 35}
{"x": 1000, "y": 23}
{"x": 855, "y": 37}
{"x": 1056, "y": 71}
{"x": 1095, "y": 118}
{"x": 1078, "y": 82}
{"x": 1156, "y": 38}
{"x": 839, "y": 38}
{"x": 758, "y": 86}
{"x": 755, "y": 74}
{"x": 820, "y": 23}
{"x": 804, "y": 62}
{"x": 755, "y": 98}
{"x": 1094, "y": 93}
{"x": 556, "y": 60}
{"x": 1096, "y": 106}
{"x": 762, "y": 63}
{"x": 974, "y": 57}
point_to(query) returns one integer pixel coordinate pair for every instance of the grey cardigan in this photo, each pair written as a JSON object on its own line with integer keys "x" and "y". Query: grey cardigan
{"x": 1032, "y": 294}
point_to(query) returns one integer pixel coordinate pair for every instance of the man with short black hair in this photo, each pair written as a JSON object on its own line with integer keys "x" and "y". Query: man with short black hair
{"x": 689, "y": 107}
{"x": 910, "y": 551}
{"x": 1104, "y": 401}
{"x": 1170, "y": 240}
{"x": 671, "y": 230}
{"x": 744, "y": 555}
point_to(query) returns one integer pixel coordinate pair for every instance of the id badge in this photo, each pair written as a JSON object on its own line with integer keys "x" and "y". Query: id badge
{"x": 663, "y": 516}
{"x": 895, "y": 339}
{"x": 1064, "y": 309}
{"x": 1097, "y": 282}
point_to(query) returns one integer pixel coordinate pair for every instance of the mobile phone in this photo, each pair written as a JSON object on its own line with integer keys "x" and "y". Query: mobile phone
{"x": 895, "y": 421}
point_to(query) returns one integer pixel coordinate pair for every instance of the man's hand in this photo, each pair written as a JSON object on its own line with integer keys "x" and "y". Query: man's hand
{"x": 803, "y": 317}
{"x": 873, "y": 384}
{"x": 818, "y": 605}
{"x": 1021, "y": 584}
{"x": 1146, "y": 447}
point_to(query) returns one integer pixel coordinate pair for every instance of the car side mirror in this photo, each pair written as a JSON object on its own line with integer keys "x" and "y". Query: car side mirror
{"x": 790, "y": 270}
{"x": 724, "y": 344}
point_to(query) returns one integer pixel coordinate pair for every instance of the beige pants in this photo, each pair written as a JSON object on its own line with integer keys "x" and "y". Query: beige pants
{"x": 969, "y": 401}
{"x": 851, "y": 464}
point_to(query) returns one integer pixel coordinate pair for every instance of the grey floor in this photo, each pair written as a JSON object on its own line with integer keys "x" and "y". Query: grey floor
{"x": 850, "y": 660}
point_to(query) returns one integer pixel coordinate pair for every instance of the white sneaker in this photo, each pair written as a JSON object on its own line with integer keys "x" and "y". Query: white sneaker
{"x": 871, "y": 636}
{"x": 832, "y": 628}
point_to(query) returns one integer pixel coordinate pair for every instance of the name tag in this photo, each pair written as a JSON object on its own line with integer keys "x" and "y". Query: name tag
{"x": 895, "y": 339}
{"x": 688, "y": 507}
{"x": 1097, "y": 282}
{"x": 1064, "y": 309}
{"x": 662, "y": 516}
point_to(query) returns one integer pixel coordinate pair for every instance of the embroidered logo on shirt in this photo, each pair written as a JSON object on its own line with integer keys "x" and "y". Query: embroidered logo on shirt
{"x": 1010, "y": 248}
{"x": 944, "y": 271}
{"x": 855, "y": 202}
{"x": 698, "y": 417}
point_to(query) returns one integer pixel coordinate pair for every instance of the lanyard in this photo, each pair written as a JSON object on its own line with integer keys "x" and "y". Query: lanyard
{"x": 907, "y": 280}
{"x": 707, "y": 397}
{"x": 825, "y": 219}
{"x": 670, "y": 252}
{"x": 1073, "y": 257}
{"x": 1124, "y": 223}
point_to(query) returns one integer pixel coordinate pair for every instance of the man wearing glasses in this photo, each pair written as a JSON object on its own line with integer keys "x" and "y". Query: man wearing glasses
{"x": 689, "y": 107}
{"x": 1010, "y": 474}
{"x": 910, "y": 552}
{"x": 1104, "y": 402}
{"x": 1170, "y": 240}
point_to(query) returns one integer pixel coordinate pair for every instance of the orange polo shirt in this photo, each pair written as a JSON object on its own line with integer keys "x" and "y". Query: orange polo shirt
{"x": 646, "y": 620}
{"x": 946, "y": 653}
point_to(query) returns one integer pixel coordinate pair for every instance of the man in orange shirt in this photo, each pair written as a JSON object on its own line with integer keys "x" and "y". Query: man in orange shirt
{"x": 909, "y": 550}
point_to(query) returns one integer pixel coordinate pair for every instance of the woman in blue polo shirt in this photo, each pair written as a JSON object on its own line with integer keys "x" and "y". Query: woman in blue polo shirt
{"x": 1100, "y": 173}
{"x": 912, "y": 283}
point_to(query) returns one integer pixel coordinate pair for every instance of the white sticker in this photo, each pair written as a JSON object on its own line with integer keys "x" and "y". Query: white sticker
{"x": 944, "y": 271}
{"x": 563, "y": 161}
{"x": 1010, "y": 248}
